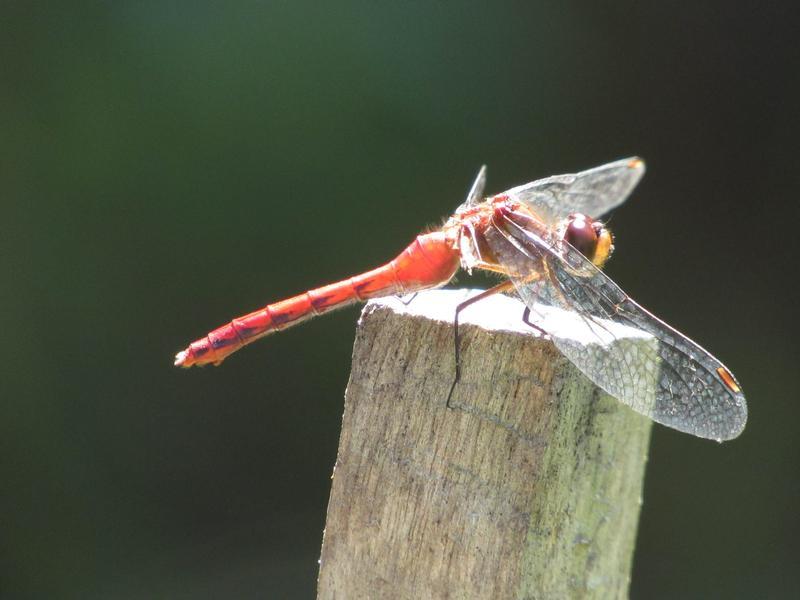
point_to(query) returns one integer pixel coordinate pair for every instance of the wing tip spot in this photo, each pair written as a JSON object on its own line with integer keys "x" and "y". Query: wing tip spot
{"x": 728, "y": 380}
{"x": 636, "y": 163}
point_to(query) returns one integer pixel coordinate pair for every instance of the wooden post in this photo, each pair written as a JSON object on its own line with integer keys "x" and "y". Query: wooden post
{"x": 529, "y": 486}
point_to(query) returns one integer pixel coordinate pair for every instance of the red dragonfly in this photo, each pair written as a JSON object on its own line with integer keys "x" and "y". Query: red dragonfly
{"x": 544, "y": 239}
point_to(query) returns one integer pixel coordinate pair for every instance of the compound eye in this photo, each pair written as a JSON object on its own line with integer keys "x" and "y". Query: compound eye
{"x": 582, "y": 235}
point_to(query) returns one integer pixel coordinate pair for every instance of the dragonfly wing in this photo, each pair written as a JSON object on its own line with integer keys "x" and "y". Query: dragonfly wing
{"x": 620, "y": 346}
{"x": 593, "y": 192}
{"x": 475, "y": 194}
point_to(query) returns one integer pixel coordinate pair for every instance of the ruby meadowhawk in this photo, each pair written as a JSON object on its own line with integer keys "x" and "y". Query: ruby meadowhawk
{"x": 542, "y": 237}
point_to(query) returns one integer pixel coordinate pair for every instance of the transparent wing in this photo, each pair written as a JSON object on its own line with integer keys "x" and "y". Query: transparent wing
{"x": 616, "y": 343}
{"x": 475, "y": 194}
{"x": 593, "y": 192}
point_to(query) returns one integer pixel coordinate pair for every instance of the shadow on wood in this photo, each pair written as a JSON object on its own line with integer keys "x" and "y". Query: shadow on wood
{"x": 528, "y": 487}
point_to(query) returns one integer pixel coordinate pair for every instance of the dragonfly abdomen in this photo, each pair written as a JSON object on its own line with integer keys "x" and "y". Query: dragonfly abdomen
{"x": 429, "y": 261}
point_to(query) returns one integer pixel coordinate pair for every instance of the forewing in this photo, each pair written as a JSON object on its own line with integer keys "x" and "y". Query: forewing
{"x": 593, "y": 192}
{"x": 618, "y": 345}
{"x": 475, "y": 194}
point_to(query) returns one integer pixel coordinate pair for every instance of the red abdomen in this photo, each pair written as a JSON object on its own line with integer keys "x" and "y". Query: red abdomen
{"x": 429, "y": 261}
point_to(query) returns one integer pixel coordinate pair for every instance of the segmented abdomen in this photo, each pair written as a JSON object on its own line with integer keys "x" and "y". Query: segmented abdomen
{"x": 429, "y": 261}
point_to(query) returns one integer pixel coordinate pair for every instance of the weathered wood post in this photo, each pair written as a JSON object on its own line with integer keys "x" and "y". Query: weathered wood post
{"x": 529, "y": 486}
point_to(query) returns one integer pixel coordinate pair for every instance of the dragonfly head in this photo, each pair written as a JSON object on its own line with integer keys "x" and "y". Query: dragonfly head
{"x": 589, "y": 237}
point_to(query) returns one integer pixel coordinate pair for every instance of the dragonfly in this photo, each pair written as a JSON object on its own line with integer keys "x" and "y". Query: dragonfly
{"x": 545, "y": 240}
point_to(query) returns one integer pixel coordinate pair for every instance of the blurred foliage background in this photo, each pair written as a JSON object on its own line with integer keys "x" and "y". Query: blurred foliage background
{"x": 166, "y": 167}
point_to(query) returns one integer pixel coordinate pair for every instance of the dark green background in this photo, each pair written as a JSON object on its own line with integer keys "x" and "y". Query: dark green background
{"x": 163, "y": 169}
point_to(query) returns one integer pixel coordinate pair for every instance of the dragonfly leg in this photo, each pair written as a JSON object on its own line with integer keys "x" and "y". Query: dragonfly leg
{"x": 409, "y": 301}
{"x": 526, "y": 318}
{"x": 499, "y": 288}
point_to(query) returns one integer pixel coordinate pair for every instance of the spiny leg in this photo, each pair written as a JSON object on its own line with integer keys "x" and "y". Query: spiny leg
{"x": 526, "y": 318}
{"x": 406, "y": 302}
{"x": 499, "y": 288}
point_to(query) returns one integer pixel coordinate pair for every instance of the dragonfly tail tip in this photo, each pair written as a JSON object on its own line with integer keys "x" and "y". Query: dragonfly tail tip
{"x": 180, "y": 358}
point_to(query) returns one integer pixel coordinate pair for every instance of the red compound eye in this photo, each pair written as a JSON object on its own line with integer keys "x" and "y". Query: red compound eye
{"x": 582, "y": 235}
{"x": 590, "y": 238}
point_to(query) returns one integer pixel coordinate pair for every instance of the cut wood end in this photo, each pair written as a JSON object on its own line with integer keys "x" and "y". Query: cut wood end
{"x": 495, "y": 313}
{"x": 505, "y": 313}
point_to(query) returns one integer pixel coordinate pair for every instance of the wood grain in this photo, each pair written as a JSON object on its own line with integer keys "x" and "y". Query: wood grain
{"x": 529, "y": 486}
